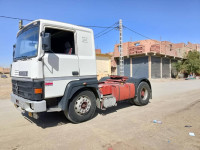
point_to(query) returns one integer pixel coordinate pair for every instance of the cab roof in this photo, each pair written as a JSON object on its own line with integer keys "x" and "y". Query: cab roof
{"x": 57, "y": 23}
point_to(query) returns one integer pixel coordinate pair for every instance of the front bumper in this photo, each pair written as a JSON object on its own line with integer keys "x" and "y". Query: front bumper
{"x": 27, "y": 105}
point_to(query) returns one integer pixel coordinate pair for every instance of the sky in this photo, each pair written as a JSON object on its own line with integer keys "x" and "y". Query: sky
{"x": 172, "y": 20}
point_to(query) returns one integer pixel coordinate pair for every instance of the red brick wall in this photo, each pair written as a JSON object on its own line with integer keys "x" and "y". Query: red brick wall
{"x": 98, "y": 51}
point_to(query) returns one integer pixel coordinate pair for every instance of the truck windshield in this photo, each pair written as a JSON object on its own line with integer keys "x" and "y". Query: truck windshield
{"x": 27, "y": 44}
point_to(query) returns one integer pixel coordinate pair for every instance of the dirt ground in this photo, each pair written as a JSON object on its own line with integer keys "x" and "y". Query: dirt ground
{"x": 125, "y": 127}
{"x": 5, "y": 88}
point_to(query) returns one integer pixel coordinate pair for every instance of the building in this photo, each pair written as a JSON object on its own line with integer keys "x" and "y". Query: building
{"x": 4, "y": 70}
{"x": 103, "y": 62}
{"x": 150, "y": 58}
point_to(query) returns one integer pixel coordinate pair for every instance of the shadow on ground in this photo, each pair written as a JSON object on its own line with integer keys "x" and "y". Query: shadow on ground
{"x": 52, "y": 119}
{"x": 48, "y": 119}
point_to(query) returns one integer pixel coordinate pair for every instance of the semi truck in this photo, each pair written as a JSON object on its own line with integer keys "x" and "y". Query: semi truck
{"x": 54, "y": 69}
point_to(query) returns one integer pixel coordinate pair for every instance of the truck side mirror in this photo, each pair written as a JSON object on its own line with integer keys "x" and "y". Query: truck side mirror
{"x": 46, "y": 41}
{"x": 14, "y": 46}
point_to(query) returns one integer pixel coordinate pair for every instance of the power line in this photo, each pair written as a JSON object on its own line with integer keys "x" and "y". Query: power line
{"x": 153, "y": 39}
{"x": 106, "y": 29}
{"x": 105, "y": 33}
{"x": 96, "y": 26}
{"x": 146, "y": 36}
{"x": 137, "y": 33}
{"x": 142, "y": 35}
{"x": 15, "y": 18}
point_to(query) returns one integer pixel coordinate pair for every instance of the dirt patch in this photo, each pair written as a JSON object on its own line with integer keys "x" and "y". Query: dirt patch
{"x": 125, "y": 127}
{"x": 176, "y": 126}
{"x": 5, "y": 88}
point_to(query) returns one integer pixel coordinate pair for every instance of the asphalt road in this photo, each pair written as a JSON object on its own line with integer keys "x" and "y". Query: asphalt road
{"x": 175, "y": 103}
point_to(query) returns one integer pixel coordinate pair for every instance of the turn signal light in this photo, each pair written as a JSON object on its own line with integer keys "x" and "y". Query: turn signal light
{"x": 38, "y": 91}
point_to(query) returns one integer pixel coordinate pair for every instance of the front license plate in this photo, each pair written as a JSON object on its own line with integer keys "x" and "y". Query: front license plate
{"x": 30, "y": 114}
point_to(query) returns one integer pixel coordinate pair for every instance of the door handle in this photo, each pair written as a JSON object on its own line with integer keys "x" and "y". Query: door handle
{"x": 75, "y": 73}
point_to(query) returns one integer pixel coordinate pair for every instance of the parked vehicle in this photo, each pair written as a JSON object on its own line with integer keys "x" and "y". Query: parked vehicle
{"x": 4, "y": 76}
{"x": 54, "y": 69}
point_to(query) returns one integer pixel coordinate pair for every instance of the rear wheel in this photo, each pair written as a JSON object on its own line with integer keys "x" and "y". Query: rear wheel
{"x": 143, "y": 94}
{"x": 82, "y": 107}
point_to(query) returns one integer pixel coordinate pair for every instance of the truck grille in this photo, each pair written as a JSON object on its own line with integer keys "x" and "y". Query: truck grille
{"x": 25, "y": 89}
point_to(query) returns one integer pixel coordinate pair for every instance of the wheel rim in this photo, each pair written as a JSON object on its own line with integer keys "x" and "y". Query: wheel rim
{"x": 144, "y": 94}
{"x": 82, "y": 105}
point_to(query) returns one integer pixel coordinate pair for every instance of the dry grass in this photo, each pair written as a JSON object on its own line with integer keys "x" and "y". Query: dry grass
{"x": 5, "y": 88}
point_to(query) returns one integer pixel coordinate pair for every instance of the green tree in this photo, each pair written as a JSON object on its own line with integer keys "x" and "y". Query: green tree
{"x": 178, "y": 66}
{"x": 192, "y": 62}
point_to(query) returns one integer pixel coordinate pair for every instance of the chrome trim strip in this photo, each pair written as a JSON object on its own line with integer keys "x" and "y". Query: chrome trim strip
{"x": 21, "y": 79}
{"x": 55, "y": 78}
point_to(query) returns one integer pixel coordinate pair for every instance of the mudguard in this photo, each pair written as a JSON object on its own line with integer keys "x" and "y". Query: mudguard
{"x": 75, "y": 86}
{"x": 137, "y": 81}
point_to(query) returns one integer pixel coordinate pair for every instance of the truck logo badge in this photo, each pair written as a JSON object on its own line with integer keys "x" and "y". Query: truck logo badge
{"x": 23, "y": 73}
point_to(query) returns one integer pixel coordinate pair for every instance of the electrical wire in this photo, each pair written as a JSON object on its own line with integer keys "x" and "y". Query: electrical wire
{"x": 106, "y": 29}
{"x": 95, "y": 26}
{"x": 104, "y": 33}
{"x": 97, "y": 35}
{"x": 145, "y": 36}
{"x": 15, "y": 18}
{"x": 157, "y": 42}
{"x": 138, "y": 33}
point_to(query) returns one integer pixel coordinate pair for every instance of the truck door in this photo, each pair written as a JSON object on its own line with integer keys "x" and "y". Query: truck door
{"x": 61, "y": 63}
{"x": 86, "y": 54}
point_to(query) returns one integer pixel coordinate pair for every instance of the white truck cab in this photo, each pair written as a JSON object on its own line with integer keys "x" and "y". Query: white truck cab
{"x": 49, "y": 55}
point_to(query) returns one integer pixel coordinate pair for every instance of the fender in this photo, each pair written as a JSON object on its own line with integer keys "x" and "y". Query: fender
{"x": 74, "y": 86}
{"x": 137, "y": 81}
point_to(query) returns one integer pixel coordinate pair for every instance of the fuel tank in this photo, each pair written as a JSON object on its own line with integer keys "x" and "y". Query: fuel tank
{"x": 117, "y": 88}
{"x": 123, "y": 92}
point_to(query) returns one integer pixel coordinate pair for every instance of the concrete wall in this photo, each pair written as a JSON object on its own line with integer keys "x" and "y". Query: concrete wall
{"x": 154, "y": 46}
{"x": 103, "y": 62}
{"x": 151, "y": 47}
{"x": 4, "y": 70}
{"x": 148, "y": 66}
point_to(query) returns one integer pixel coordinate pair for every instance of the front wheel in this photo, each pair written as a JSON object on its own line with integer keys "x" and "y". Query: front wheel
{"x": 82, "y": 107}
{"x": 143, "y": 94}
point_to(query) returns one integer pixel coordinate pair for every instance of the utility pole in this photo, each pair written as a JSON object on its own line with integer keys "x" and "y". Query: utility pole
{"x": 20, "y": 24}
{"x": 121, "y": 57}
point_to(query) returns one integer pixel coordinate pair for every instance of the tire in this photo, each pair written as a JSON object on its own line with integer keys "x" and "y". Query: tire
{"x": 131, "y": 101}
{"x": 143, "y": 94}
{"x": 82, "y": 107}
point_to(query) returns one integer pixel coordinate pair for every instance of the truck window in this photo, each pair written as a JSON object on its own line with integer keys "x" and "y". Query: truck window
{"x": 62, "y": 42}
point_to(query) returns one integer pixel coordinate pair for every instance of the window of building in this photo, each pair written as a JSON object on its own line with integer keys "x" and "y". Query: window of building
{"x": 62, "y": 42}
{"x": 170, "y": 46}
{"x": 137, "y": 44}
